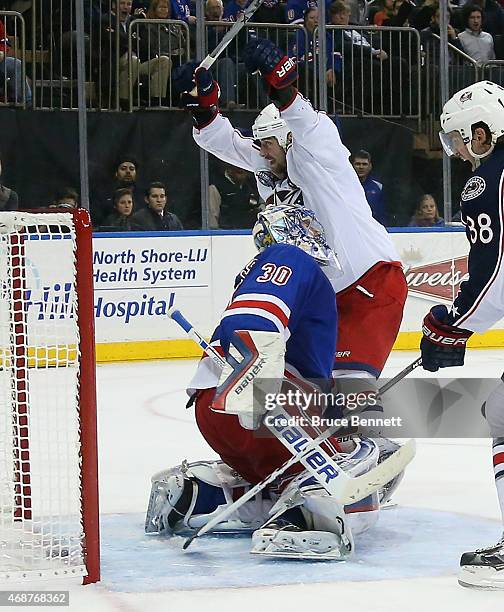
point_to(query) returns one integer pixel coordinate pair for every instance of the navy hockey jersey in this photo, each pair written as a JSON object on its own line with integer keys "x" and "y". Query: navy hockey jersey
{"x": 282, "y": 290}
{"x": 480, "y": 301}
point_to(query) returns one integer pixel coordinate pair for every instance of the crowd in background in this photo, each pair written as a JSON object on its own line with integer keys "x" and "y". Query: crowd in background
{"x": 124, "y": 205}
{"x": 159, "y": 68}
{"x": 476, "y": 27}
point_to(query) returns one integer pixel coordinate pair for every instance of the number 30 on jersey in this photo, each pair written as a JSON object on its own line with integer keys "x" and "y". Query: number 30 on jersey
{"x": 278, "y": 275}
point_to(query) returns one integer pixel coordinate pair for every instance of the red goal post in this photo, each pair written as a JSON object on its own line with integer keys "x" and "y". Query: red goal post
{"x": 49, "y": 523}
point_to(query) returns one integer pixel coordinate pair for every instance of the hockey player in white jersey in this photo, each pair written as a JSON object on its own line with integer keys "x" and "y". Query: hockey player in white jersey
{"x": 297, "y": 157}
{"x": 473, "y": 130}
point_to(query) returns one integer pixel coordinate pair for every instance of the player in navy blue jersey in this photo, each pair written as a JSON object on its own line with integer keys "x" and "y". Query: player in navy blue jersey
{"x": 473, "y": 130}
{"x": 279, "y": 325}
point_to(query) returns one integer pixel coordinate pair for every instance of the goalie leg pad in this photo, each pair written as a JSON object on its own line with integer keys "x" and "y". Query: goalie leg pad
{"x": 307, "y": 523}
{"x": 187, "y": 496}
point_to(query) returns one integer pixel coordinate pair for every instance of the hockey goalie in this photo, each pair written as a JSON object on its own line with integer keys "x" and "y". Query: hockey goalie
{"x": 280, "y": 325}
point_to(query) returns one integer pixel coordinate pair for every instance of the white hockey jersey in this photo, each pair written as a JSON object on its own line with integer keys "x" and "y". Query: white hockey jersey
{"x": 320, "y": 177}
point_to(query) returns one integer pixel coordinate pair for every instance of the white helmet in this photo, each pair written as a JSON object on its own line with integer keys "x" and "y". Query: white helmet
{"x": 269, "y": 124}
{"x": 483, "y": 101}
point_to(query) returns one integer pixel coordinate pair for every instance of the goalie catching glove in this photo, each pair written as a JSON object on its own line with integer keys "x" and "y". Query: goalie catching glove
{"x": 253, "y": 357}
{"x": 205, "y": 105}
{"x": 442, "y": 345}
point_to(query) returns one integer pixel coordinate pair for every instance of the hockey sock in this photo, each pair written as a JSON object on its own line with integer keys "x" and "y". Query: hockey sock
{"x": 498, "y": 463}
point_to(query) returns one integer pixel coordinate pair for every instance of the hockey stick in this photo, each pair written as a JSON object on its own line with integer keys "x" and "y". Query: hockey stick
{"x": 242, "y": 20}
{"x": 337, "y": 482}
{"x": 356, "y": 488}
{"x": 407, "y": 370}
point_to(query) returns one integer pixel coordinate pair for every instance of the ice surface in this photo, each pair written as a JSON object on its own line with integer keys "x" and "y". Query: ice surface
{"x": 447, "y": 504}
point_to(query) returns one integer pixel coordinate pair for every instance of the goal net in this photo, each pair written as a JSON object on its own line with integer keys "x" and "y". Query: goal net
{"x": 48, "y": 462}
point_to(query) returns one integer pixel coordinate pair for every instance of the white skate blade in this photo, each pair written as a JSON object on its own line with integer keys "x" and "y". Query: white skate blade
{"x": 481, "y": 577}
{"x": 311, "y": 545}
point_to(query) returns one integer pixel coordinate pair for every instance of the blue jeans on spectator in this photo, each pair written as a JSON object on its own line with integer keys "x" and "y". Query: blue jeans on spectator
{"x": 11, "y": 79}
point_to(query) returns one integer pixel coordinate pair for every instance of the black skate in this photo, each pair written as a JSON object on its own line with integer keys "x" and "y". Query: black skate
{"x": 483, "y": 568}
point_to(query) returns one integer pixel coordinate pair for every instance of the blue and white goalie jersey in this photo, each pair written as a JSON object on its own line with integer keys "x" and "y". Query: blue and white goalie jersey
{"x": 480, "y": 301}
{"x": 282, "y": 290}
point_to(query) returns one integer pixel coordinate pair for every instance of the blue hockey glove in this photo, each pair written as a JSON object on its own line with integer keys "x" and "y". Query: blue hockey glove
{"x": 442, "y": 345}
{"x": 278, "y": 70}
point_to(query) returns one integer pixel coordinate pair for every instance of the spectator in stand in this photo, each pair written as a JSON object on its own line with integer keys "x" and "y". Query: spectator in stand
{"x": 426, "y": 213}
{"x": 11, "y": 73}
{"x": 63, "y": 34}
{"x": 167, "y": 39}
{"x": 421, "y": 17}
{"x": 233, "y": 9}
{"x": 393, "y": 13}
{"x": 125, "y": 175}
{"x": 477, "y": 44}
{"x": 180, "y": 10}
{"x": 225, "y": 69}
{"x": 358, "y": 12}
{"x": 158, "y": 39}
{"x": 120, "y": 219}
{"x": 396, "y": 13}
{"x": 493, "y": 16}
{"x": 302, "y": 49}
{"x": 296, "y": 10}
{"x": 155, "y": 215}
{"x": 356, "y": 63}
{"x": 140, "y": 7}
{"x": 362, "y": 164}
{"x": 8, "y": 197}
{"x": 65, "y": 198}
{"x": 433, "y": 28}
{"x": 270, "y": 11}
{"x": 233, "y": 199}
{"x": 157, "y": 69}
{"x": 302, "y": 46}
{"x": 352, "y": 41}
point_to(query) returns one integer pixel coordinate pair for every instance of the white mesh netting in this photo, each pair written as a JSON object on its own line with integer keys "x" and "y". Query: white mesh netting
{"x": 40, "y": 490}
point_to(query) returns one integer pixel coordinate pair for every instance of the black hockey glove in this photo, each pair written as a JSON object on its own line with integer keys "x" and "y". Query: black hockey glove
{"x": 205, "y": 105}
{"x": 442, "y": 345}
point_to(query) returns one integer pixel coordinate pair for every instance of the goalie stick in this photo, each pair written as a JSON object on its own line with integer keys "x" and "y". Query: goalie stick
{"x": 347, "y": 489}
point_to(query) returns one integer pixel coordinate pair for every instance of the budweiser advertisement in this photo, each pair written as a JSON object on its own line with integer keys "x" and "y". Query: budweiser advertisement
{"x": 439, "y": 280}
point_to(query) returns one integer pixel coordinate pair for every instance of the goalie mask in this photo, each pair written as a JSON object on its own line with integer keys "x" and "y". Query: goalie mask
{"x": 297, "y": 226}
{"x": 481, "y": 102}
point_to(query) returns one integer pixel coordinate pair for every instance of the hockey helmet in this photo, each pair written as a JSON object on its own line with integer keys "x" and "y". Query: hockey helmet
{"x": 480, "y": 102}
{"x": 269, "y": 124}
{"x": 297, "y": 226}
